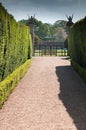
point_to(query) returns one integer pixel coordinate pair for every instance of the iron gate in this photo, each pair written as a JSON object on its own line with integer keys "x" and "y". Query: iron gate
{"x": 50, "y": 49}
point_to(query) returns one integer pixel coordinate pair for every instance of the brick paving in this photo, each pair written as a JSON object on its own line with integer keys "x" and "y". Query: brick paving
{"x": 51, "y": 96}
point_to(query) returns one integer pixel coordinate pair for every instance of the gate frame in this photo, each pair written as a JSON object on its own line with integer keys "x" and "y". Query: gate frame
{"x": 42, "y": 49}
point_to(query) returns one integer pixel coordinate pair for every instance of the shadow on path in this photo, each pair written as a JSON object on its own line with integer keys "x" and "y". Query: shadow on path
{"x": 73, "y": 95}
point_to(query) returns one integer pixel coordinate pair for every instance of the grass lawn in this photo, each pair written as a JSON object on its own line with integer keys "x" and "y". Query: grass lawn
{"x": 58, "y": 52}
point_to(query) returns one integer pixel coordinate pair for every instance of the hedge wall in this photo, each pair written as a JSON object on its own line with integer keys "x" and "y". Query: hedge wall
{"x": 10, "y": 82}
{"x": 77, "y": 42}
{"x": 15, "y": 43}
{"x": 77, "y": 47}
{"x": 79, "y": 69}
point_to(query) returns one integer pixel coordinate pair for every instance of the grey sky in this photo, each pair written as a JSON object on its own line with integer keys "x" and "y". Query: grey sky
{"x": 46, "y": 10}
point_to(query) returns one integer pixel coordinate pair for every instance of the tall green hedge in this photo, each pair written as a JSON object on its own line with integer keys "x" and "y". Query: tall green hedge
{"x": 77, "y": 47}
{"x": 15, "y": 43}
{"x": 77, "y": 42}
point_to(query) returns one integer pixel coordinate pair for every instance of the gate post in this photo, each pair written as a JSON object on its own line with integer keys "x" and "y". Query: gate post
{"x": 31, "y": 24}
{"x": 69, "y": 23}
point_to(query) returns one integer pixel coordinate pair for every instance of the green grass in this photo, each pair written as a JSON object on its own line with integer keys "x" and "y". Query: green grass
{"x": 58, "y": 52}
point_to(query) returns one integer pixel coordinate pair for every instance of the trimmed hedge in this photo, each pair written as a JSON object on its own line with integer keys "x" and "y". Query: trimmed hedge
{"x": 77, "y": 42}
{"x": 15, "y": 43}
{"x": 9, "y": 83}
{"x": 77, "y": 47}
{"x": 79, "y": 69}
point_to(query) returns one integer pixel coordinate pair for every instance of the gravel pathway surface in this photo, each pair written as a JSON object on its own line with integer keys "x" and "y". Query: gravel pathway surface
{"x": 51, "y": 96}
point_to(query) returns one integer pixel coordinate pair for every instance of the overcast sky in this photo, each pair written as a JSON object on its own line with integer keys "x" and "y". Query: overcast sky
{"x": 46, "y": 10}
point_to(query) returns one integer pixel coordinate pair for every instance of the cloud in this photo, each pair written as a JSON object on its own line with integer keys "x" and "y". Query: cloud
{"x": 53, "y": 3}
{"x": 40, "y": 4}
{"x": 46, "y": 10}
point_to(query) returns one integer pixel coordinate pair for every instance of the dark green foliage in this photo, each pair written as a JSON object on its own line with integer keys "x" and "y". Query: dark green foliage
{"x": 77, "y": 42}
{"x": 77, "y": 47}
{"x": 60, "y": 23}
{"x": 36, "y": 40}
{"x": 46, "y": 31}
{"x": 15, "y": 43}
{"x": 79, "y": 69}
{"x": 66, "y": 43}
{"x": 10, "y": 82}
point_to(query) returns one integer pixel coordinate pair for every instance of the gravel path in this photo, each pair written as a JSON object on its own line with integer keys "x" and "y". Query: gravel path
{"x": 51, "y": 96}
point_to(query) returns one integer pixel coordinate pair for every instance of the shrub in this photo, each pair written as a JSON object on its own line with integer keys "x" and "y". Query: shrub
{"x": 15, "y": 43}
{"x": 79, "y": 69}
{"x": 10, "y": 82}
{"x": 77, "y": 47}
{"x": 77, "y": 42}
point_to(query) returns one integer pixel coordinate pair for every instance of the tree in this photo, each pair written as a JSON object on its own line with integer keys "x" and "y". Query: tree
{"x": 49, "y": 32}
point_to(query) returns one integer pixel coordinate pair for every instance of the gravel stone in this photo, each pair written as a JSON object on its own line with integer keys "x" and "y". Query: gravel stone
{"x": 51, "y": 96}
